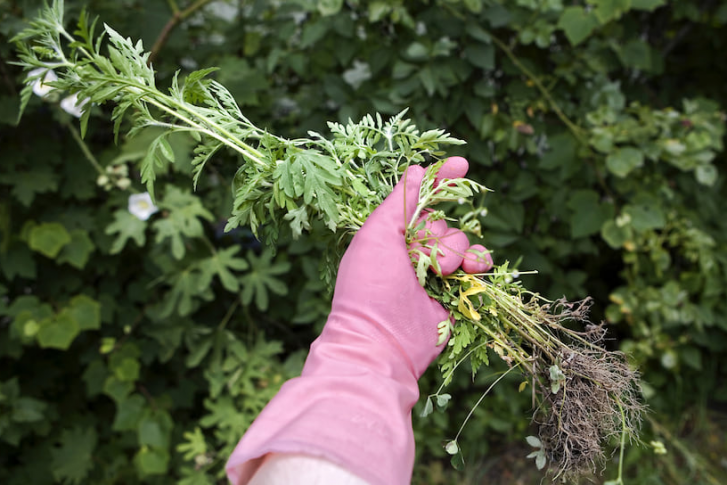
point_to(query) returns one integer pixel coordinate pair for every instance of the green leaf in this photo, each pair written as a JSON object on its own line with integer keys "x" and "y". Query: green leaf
{"x": 78, "y": 251}
{"x": 127, "y": 370}
{"x": 451, "y": 447}
{"x": 614, "y": 235}
{"x": 320, "y": 179}
{"x": 126, "y": 226}
{"x": 27, "y": 410}
{"x": 222, "y": 264}
{"x": 498, "y": 16}
{"x": 443, "y": 399}
{"x": 73, "y": 460}
{"x": 649, "y": 5}
{"x": 152, "y": 461}
{"x": 153, "y": 430}
{"x": 481, "y": 55}
{"x": 588, "y": 213}
{"x": 298, "y": 221}
{"x": 117, "y": 389}
{"x": 534, "y": 441}
{"x": 48, "y": 238}
{"x": 17, "y": 261}
{"x": 329, "y": 7}
{"x": 624, "y": 160}
{"x": 706, "y": 175}
{"x": 608, "y": 10}
{"x": 128, "y": 413}
{"x": 85, "y": 311}
{"x": 26, "y": 185}
{"x": 577, "y": 24}
{"x": 636, "y": 54}
{"x": 195, "y": 444}
{"x": 261, "y": 279}
{"x": 562, "y": 153}
{"x": 58, "y": 332}
{"x": 645, "y": 214}
{"x": 183, "y": 220}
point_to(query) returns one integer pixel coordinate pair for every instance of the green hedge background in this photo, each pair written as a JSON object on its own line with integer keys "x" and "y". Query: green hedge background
{"x": 139, "y": 351}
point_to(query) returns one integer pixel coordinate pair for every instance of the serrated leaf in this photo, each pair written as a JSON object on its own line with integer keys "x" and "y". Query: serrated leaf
{"x": 73, "y": 460}
{"x": 262, "y": 279}
{"x": 222, "y": 264}
{"x": 126, "y": 226}
{"x": 26, "y": 185}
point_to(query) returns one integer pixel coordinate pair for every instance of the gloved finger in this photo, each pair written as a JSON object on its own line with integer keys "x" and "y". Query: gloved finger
{"x": 477, "y": 259}
{"x": 453, "y": 244}
{"x": 408, "y": 190}
{"x": 453, "y": 168}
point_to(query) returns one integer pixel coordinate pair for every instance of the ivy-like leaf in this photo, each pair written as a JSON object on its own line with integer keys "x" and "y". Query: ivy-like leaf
{"x": 126, "y": 226}
{"x": 261, "y": 279}
{"x": 73, "y": 460}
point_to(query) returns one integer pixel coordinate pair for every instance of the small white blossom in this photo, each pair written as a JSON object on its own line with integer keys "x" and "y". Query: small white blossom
{"x": 72, "y": 106}
{"x": 483, "y": 212}
{"x": 39, "y": 85}
{"x": 516, "y": 274}
{"x": 356, "y": 75}
{"x": 461, "y": 201}
{"x": 141, "y": 206}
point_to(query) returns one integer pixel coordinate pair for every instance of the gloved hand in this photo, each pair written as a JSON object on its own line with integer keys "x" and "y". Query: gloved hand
{"x": 352, "y": 403}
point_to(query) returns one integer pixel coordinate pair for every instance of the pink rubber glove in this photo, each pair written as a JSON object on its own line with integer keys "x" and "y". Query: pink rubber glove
{"x": 352, "y": 403}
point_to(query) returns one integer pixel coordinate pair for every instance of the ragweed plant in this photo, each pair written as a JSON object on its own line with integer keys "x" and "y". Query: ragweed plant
{"x": 583, "y": 395}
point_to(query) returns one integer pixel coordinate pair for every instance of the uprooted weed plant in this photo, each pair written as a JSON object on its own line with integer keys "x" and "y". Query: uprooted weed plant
{"x": 584, "y": 395}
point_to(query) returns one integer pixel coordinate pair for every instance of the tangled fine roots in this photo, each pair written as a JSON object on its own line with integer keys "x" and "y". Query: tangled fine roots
{"x": 596, "y": 399}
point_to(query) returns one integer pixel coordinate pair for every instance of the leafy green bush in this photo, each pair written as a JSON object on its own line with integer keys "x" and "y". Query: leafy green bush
{"x": 139, "y": 350}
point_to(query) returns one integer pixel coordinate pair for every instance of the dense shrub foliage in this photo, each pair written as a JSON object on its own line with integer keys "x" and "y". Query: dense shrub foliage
{"x": 138, "y": 351}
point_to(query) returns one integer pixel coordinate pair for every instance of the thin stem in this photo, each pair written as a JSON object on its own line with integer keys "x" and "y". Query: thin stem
{"x": 623, "y": 443}
{"x": 173, "y": 6}
{"x": 176, "y": 18}
{"x": 229, "y": 314}
{"x": 577, "y": 131}
{"x": 451, "y": 371}
{"x": 84, "y": 148}
{"x": 483, "y": 397}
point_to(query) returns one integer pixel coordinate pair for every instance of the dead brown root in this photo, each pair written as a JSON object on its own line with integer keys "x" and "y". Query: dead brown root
{"x": 596, "y": 400}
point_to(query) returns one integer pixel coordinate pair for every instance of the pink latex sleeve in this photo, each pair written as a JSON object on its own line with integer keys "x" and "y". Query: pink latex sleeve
{"x": 352, "y": 403}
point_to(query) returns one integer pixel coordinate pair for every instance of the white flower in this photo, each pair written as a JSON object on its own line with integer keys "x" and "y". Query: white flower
{"x": 72, "y": 106}
{"x": 39, "y": 85}
{"x": 141, "y": 206}
{"x": 355, "y": 76}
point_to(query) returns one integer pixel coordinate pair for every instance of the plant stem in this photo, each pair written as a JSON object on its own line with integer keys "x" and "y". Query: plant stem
{"x": 176, "y": 18}
{"x": 84, "y": 148}
{"x": 577, "y": 131}
{"x": 483, "y": 397}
